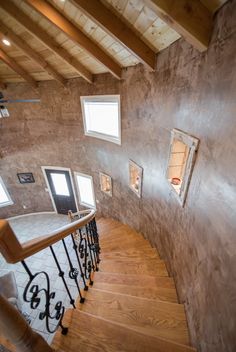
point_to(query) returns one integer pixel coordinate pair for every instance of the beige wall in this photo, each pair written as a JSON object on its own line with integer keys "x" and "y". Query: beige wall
{"x": 190, "y": 91}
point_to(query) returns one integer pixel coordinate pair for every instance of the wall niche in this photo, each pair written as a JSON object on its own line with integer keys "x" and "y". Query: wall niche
{"x": 181, "y": 159}
{"x": 105, "y": 183}
{"x": 135, "y": 178}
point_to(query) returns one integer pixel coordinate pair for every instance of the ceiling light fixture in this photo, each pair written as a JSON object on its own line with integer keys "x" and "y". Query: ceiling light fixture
{"x": 6, "y": 42}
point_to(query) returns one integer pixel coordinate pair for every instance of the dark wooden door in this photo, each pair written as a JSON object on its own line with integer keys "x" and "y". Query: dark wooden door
{"x": 61, "y": 189}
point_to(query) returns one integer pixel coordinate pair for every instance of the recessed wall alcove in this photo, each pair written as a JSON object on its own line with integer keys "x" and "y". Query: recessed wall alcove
{"x": 190, "y": 91}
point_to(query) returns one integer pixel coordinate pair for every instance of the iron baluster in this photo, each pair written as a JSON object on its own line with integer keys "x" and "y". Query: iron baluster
{"x": 83, "y": 250}
{"x": 32, "y": 294}
{"x": 62, "y": 275}
{"x": 92, "y": 254}
{"x": 73, "y": 273}
{"x": 75, "y": 247}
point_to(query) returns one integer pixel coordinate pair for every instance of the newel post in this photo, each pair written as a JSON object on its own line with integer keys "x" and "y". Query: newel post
{"x": 15, "y": 328}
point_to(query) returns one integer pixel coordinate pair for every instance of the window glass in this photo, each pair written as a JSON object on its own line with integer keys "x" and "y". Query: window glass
{"x": 5, "y": 198}
{"x": 60, "y": 184}
{"x": 85, "y": 188}
{"x": 101, "y": 116}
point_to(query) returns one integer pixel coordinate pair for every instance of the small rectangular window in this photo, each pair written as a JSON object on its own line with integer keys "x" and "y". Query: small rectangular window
{"x": 182, "y": 153}
{"x": 101, "y": 116}
{"x": 5, "y": 198}
{"x": 85, "y": 189}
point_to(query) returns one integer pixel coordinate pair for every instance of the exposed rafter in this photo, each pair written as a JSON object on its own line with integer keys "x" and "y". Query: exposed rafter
{"x": 46, "y": 39}
{"x": 7, "y": 32}
{"x": 118, "y": 29}
{"x": 55, "y": 17}
{"x": 190, "y": 18}
{"x": 3, "y": 85}
{"x": 18, "y": 69}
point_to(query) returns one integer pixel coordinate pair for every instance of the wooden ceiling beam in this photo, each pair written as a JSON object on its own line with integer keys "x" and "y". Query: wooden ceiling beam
{"x": 45, "y": 38}
{"x": 18, "y": 69}
{"x": 112, "y": 24}
{"x": 190, "y": 18}
{"x": 6, "y": 32}
{"x": 74, "y": 33}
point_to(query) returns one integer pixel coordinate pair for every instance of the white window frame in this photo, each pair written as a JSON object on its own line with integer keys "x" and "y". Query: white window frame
{"x": 95, "y": 134}
{"x": 9, "y": 202}
{"x": 77, "y": 186}
{"x": 192, "y": 143}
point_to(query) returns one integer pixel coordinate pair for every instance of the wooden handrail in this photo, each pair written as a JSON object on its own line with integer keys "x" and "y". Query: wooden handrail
{"x": 13, "y": 251}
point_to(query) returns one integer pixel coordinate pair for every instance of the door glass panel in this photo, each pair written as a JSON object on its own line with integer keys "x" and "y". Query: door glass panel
{"x": 60, "y": 184}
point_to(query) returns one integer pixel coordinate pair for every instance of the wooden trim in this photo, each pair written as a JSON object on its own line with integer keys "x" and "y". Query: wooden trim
{"x": 14, "y": 328}
{"x": 7, "y": 32}
{"x": 118, "y": 29}
{"x": 3, "y": 85}
{"x": 45, "y": 38}
{"x": 74, "y": 33}
{"x": 18, "y": 69}
{"x": 190, "y": 18}
{"x": 13, "y": 251}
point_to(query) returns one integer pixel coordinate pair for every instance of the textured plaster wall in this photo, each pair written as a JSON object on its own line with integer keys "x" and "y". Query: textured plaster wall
{"x": 190, "y": 91}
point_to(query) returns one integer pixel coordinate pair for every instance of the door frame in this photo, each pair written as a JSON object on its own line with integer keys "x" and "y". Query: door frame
{"x": 48, "y": 189}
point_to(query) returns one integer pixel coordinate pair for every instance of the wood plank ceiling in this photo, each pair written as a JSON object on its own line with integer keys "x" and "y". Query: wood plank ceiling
{"x": 63, "y": 39}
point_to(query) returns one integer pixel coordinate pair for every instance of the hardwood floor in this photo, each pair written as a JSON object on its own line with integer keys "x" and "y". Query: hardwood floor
{"x": 132, "y": 305}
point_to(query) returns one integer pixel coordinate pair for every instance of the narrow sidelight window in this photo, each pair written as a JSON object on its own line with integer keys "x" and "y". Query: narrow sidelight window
{"x": 85, "y": 189}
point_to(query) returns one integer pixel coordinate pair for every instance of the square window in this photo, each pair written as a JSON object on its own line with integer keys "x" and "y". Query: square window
{"x": 105, "y": 183}
{"x": 5, "y": 198}
{"x": 135, "y": 178}
{"x": 85, "y": 189}
{"x": 183, "y": 148}
{"x": 101, "y": 117}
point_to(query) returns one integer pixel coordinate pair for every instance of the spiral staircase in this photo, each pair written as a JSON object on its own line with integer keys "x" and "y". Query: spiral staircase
{"x": 132, "y": 305}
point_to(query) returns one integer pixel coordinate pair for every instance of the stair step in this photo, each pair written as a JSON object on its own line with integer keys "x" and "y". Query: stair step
{"x": 88, "y": 334}
{"x": 153, "y": 318}
{"x": 119, "y": 246}
{"x": 155, "y": 293}
{"x": 132, "y": 254}
{"x": 136, "y": 280}
{"x": 150, "y": 267}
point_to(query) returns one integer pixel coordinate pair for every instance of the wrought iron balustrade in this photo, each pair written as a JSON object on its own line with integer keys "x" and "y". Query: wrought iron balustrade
{"x": 79, "y": 242}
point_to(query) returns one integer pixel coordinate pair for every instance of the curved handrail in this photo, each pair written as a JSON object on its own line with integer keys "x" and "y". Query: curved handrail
{"x": 13, "y": 251}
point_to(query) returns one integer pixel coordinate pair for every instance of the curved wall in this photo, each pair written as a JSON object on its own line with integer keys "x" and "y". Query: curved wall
{"x": 190, "y": 91}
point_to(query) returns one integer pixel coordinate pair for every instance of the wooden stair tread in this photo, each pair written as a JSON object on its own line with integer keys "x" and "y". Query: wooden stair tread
{"x": 122, "y": 246}
{"x": 152, "y": 267}
{"x": 132, "y": 254}
{"x": 88, "y": 334}
{"x": 155, "y": 293}
{"x": 134, "y": 279}
{"x": 153, "y": 318}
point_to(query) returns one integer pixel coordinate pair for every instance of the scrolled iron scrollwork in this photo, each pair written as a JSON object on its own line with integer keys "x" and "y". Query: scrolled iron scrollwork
{"x": 33, "y": 294}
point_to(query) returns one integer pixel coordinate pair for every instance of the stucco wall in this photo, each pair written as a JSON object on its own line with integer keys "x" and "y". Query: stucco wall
{"x": 190, "y": 91}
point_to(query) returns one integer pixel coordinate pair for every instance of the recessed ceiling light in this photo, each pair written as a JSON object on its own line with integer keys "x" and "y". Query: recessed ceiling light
{"x": 6, "y": 42}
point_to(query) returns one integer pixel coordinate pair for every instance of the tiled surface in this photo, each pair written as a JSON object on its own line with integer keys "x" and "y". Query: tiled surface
{"x": 29, "y": 227}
